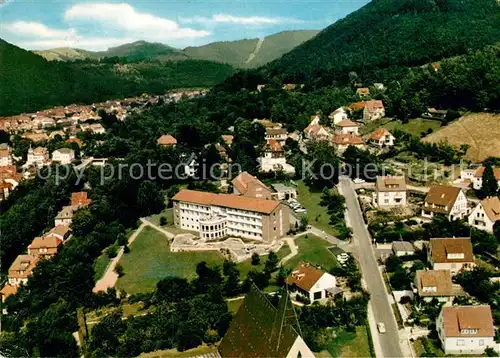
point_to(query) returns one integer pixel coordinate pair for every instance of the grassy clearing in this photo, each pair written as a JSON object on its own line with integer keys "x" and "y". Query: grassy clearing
{"x": 414, "y": 126}
{"x": 350, "y": 344}
{"x": 100, "y": 266}
{"x": 317, "y": 215}
{"x": 150, "y": 260}
{"x": 314, "y": 250}
{"x": 481, "y": 131}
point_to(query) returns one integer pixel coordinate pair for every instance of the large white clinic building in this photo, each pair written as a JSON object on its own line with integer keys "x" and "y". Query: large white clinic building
{"x": 215, "y": 216}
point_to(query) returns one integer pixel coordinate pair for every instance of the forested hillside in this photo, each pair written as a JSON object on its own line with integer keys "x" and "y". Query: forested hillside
{"x": 30, "y": 83}
{"x": 386, "y": 36}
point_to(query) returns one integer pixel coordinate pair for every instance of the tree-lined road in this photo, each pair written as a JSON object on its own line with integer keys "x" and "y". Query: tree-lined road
{"x": 382, "y": 310}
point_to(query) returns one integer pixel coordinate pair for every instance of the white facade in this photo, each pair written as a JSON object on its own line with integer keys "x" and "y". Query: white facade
{"x": 480, "y": 220}
{"x": 275, "y": 161}
{"x": 38, "y": 156}
{"x": 459, "y": 209}
{"x": 300, "y": 349}
{"x": 318, "y": 291}
{"x": 477, "y": 182}
{"x": 467, "y": 343}
{"x": 5, "y": 160}
{"x": 191, "y": 168}
{"x": 391, "y": 199}
{"x": 338, "y": 115}
{"x": 386, "y": 140}
{"x": 63, "y": 155}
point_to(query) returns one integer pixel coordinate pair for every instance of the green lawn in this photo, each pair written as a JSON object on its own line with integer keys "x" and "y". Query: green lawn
{"x": 167, "y": 213}
{"x": 150, "y": 260}
{"x": 317, "y": 215}
{"x": 100, "y": 266}
{"x": 314, "y": 250}
{"x": 414, "y": 126}
{"x": 350, "y": 344}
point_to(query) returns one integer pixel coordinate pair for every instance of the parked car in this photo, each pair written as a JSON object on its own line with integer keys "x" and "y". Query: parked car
{"x": 359, "y": 181}
{"x": 381, "y": 327}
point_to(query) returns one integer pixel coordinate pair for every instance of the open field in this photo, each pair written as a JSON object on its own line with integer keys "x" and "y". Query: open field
{"x": 481, "y": 131}
{"x": 245, "y": 266}
{"x": 150, "y": 260}
{"x": 317, "y": 215}
{"x": 414, "y": 126}
{"x": 314, "y": 250}
{"x": 350, "y": 344}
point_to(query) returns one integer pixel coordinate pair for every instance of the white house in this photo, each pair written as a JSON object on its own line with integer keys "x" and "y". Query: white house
{"x": 347, "y": 127}
{"x": 316, "y": 131}
{"x": 466, "y": 329}
{"x": 312, "y": 283}
{"x": 486, "y": 214}
{"x": 338, "y": 115}
{"x": 97, "y": 128}
{"x": 63, "y": 155}
{"x": 381, "y": 138}
{"x": 390, "y": 191}
{"x": 373, "y": 110}
{"x": 38, "y": 156}
{"x": 274, "y": 158}
{"x": 5, "y": 155}
{"x": 342, "y": 141}
{"x": 445, "y": 200}
{"x": 278, "y": 134}
{"x": 452, "y": 253}
{"x": 477, "y": 180}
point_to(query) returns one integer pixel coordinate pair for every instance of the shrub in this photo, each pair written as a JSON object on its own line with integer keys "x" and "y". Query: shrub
{"x": 303, "y": 299}
{"x": 405, "y": 300}
{"x": 163, "y": 221}
{"x": 112, "y": 251}
{"x": 255, "y": 259}
{"x": 119, "y": 270}
{"x": 126, "y": 249}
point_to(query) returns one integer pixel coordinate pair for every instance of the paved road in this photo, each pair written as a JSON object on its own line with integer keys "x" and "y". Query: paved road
{"x": 382, "y": 311}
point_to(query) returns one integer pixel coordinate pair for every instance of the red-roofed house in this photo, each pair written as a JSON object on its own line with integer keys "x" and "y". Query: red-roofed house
{"x": 312, "y": 283}
{"x": 347, "y": 127}
{"x": 80, "y": 198}
{"x": 381, "y": 138}
{"x": 274, "y": 158}
{"x": 167, "y": 140}
{"x": 363, "y": 92}
{"x": 466, "y": 330}
{"x": 486, "y": 214}
{"x": 342, "y": 141}
{"x": 477, "y": 180}
{"x": 373, "y": 110}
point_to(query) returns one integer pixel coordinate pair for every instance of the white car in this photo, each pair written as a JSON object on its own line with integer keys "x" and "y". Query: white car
{"x": 381, "y": 327}
{"x": 358, "y": 181}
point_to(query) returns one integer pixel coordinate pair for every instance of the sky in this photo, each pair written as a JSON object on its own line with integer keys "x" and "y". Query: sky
{"x": 96, "y": 26}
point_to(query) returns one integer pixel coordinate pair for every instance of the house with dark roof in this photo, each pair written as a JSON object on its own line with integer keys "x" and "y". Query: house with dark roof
{"x": 261, "y": 330}
{"x": 436, "y": 284}
{"x": 486, "y": 214}
{"x": 451, "y": 253}
{"x": 466, "y": 330}
{"x": 445, "y": 200}
{"x": 311, "y": 282}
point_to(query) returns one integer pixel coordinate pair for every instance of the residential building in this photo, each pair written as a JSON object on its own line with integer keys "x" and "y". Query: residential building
{"x": 36, "y": 137}
{"x": 284, "y": 192}
{"x": 45, "y": 246}
{"x": 61, "y": 232}
{"x": 402, "y": 248}
{"x": 190, "y": 166}
{"x": 249, "y": 186}
{"x": 63, "y": 155}
{"x": 5, "y": 155}
{"x": 5, "y": 189}
{"x": 347, "y": 127}
{"x": 274, "y": 158}
{"x": 363, "y": 92}
{"x": 338, "y": 115}
{"x": 312, "y": 283}
{"x": 453, "y": 254}
{"x": 466, "y": 330}
{"x": 53, "y": 134}
{"x": 278, "y": 134}
{"x": 97, "y": 128}
{"x": 373, "y": 110}
{"x": 477, "y": 180}
{"x": 222, "y": 152}
{"x": 486, "y": 214}
{"x": 215, "y": 216}
{"x": 38, "y": 157}
{"x": 80, "y": 198}
{"x": 21, "y": 269}
{"x": 10, "y": 175}
{"x": 357, "y": 106}
{"x": 391, "y": 191}
{"x": 261, "y": 330}
{"x": 342, "y": 141}
{"x": 8, "y": 290}
{"x": 381, "y": 138}
{"x": 317, "y": 132}
{"x": 167, "y": 140}
{"x": 436, "y": 284}
{"x": 65, "y": 216}
{"x": 445, "y": 200}
{"x": 228, "y": 139}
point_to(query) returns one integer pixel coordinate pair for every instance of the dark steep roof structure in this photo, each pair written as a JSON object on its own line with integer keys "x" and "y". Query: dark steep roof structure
{"x": 261, "y": 330}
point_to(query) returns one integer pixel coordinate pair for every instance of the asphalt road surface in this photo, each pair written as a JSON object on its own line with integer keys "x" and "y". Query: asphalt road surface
{"x": 382, "y": 311}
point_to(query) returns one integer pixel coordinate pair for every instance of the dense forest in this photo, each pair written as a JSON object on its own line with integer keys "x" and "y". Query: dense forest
{"x": 383, "y": 38}
{"x": 30, "y": 83}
